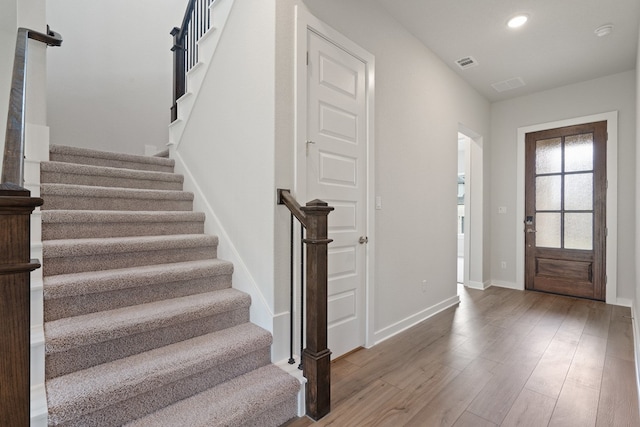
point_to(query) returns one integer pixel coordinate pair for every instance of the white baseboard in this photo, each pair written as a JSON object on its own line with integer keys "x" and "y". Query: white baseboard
{"x": 636, "y": 346}
{"x": 38, "y": 410}
{"x": 508, "y": 285}
{"x": 624, "y": 302}
{"x": 296, "y": 373}
{"x": 413, "y": 320}
{"x": 478, "y": 285}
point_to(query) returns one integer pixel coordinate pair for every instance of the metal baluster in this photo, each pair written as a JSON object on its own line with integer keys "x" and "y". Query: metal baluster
{"x": 302, "y": 271}
{"x": 291, "y": 297}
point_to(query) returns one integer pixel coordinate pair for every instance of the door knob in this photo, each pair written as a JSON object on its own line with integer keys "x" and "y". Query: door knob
{"x": 363, "y": 239}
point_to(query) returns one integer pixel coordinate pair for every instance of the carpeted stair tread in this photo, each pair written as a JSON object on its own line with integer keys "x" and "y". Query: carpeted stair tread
{"x": 164, "y": 153}
{"x": 241, "y": 401}
{"x": 77, "y": 224}
{"x": 67, "y": 295}
{"x": 139, "y": 313}
{"x": 61, "y": 153}
{"x": 104, "y": 176}
{"x": 83, "y": 197}
{"x": 90, "y": 282}
{"x": 78, "y": 255}
{"x": 79, "y": 393}
{"x": 84, "y": 247}
{"x": 101, "y": 217}
{"x": 79, "y": 331}
{"x": 110, "y": 192}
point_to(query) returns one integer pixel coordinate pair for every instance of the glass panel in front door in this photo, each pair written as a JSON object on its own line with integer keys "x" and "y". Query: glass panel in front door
{"x": 564, "y": 184}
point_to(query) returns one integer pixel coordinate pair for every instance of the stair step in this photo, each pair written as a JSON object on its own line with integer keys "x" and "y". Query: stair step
{"x": 78, "y": 224}
{"x": 85, "y": 156}
{"x": 103, "y": 176}
{"x": 78, "y": 255}
{"x": 246, "y": 400}
{"x": 126, "y": 389}
{"x": 80, "y": 342}
{"x": 81, "y": 197}
{"x": 67, "y": 295}
{"x": 164, "y": 153}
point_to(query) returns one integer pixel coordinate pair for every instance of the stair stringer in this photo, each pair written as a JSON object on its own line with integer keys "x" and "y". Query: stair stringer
{"x": 219, "y": 12}
{"x": 260, "y": 313}
{"x": 243, "y": 280}
{"x": 36, "y": 151}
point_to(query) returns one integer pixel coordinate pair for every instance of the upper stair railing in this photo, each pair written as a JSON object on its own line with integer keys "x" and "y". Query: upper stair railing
{"x": 16, "y": 207}
{"x": 195, "y": 24}
{"x": 316, "y": 357}
{"x": 13, "y": 164}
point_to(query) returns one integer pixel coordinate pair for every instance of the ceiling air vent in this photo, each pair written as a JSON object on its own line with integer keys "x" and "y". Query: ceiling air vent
{"x": 466, "y": 62}
{"x": 510, "y": 84}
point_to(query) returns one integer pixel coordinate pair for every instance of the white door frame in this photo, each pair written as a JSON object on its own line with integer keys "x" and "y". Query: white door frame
{"x": 474, "y": 208}
{"x": 612, "y": 197}
{"x": 306, "y": 21}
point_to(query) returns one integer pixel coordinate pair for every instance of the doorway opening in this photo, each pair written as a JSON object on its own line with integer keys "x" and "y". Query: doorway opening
{"x": 471, "y": 224}
{"x": 463, "y": 148}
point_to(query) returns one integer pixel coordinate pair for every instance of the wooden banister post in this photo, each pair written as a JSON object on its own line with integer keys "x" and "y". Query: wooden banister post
{"x": 15, "y": 268}
{"x": 179, "y": 70}
{"x": 316, "y": 358}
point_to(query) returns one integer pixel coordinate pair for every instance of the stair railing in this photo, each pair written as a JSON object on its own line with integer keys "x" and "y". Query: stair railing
{"x": 16, "y": 207}
{"x": 316, "y": 357}
{"x": 196, "y": 22}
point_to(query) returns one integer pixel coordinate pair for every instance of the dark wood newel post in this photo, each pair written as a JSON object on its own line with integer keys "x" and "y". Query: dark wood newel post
{"x": 316, "y": 357}
{"x": 15, "y": 268}
{"x": 179, "y": 86}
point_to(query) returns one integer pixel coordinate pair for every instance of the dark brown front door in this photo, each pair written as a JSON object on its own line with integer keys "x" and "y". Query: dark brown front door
{"x": 565, "y": 200}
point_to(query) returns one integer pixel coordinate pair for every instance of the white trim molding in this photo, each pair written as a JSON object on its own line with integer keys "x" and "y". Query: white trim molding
{"x": 403, "y": 325}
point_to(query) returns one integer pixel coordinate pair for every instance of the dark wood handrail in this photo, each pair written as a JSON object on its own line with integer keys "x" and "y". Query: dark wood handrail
{"x": 195, "y": 23}
{"x": 316, "y": 357}
{"x": 13, "y": 159}
{"x": 285, "y": 198}
{"x": 16, "y": 207}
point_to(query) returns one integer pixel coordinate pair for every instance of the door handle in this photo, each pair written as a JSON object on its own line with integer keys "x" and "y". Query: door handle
{"x": 363, "y": 239}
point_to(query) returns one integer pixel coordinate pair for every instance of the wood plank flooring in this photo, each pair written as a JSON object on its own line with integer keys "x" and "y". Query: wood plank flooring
{"x": 501, "y": 358}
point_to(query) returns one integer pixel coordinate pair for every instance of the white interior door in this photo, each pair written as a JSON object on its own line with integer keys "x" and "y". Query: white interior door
{"x": 336, "y": 173}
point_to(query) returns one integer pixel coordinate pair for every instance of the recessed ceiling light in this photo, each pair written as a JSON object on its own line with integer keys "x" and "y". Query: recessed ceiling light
{"x": 517, "y": 21}
{"x": 604, "y": 30}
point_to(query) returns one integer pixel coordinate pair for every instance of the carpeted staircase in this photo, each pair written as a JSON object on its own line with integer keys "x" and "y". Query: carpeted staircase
{"x": 142, "y": 327}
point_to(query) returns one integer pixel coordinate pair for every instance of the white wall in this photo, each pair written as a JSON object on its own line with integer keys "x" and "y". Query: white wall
{"x": 110, "y": 84}
{"x": 636, "y": 302}
{"x": 419, "y": 104}
{"x": 228, "y": 144}
{"x": 8, "y": 28}
{"x": 601, "y": 95}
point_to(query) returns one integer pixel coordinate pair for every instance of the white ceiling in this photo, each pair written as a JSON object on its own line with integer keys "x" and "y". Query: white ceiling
{"x": 556, "y": 47}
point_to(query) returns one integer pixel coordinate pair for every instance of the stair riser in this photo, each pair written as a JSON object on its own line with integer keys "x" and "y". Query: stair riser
{"x": 53, "y": 231}
{"x": 78, "y": 264}
{"x": 114, "y": 204}
{"x": 91, "y": 355}
{"x": 112, "y": 163}
{"x": 59, "y": 308}
{"x": 166, "y": 394}
{"x": 107, "y": 181}
{"x": 278, "y": 414}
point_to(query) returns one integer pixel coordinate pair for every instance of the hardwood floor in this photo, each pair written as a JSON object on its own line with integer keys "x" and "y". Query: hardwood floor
{"x": 501, "y": 358}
